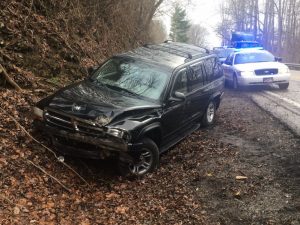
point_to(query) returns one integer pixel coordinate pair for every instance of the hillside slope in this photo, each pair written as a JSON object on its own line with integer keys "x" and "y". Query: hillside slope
{"x": 54, "y": 41}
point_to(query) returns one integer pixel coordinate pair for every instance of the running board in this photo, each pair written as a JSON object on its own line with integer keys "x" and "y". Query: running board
{"x": 180, "y": 136}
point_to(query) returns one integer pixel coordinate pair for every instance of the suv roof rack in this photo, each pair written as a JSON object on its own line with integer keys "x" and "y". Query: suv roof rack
{"x": 182, "y": 50}
{"x": 177, "y": 44}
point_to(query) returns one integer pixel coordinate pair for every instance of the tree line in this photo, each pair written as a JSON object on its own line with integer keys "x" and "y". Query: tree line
{"x": 275, "y": 23}
{"x": 181, "y": 30}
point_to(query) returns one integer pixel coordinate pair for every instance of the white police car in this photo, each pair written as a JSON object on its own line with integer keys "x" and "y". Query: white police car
{"x": 255, "y": 67}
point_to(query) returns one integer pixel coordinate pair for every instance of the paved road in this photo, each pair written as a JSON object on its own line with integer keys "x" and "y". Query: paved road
{"x": 283, "y": 104}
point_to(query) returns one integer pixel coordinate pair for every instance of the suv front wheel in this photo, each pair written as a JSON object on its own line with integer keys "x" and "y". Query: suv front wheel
{"x": 141, "y": 162}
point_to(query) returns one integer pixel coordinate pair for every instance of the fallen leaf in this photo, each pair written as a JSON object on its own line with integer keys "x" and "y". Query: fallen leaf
{"x": 241, "y": 178}
{"x": 121, "y": 209}
{"x": 16, "y": 210}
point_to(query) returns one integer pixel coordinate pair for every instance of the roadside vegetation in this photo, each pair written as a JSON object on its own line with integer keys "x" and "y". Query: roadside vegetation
{"x": 275, "y": 24}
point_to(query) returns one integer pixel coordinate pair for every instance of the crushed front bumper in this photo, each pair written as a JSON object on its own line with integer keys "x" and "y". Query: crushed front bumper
{"x": 85, "y": 146}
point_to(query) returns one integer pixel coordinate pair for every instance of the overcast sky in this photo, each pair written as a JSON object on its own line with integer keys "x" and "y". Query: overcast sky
{"x": 206, "y": 13}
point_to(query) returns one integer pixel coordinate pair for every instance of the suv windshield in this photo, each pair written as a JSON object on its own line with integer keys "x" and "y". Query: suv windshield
{"x": 133, "y": 77}
{"x": 253, "y": 57}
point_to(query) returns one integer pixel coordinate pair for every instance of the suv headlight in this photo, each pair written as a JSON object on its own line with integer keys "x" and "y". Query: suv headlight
{"x": 118, "y": 133}
{"x": 245, "y": 73}
{"x": 38, "y": 113}
{"x": 283, "y": 70}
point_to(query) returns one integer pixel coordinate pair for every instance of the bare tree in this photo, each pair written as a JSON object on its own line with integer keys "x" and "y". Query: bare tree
{"x": 275, "y": 23}
{"x": 197, "y": 35}
{"x": 157, "y": 32}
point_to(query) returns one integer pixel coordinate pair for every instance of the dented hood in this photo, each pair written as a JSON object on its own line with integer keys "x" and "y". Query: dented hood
{"x": 89, "y": 101}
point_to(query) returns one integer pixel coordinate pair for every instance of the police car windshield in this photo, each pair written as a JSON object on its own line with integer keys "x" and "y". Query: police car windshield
{"x": 253, "y": 57}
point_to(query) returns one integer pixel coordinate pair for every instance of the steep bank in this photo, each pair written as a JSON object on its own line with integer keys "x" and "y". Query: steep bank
{"x": 50, "y": 41}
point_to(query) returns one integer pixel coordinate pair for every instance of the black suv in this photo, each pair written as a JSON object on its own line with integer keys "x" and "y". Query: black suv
{"x": 135, "y": 105}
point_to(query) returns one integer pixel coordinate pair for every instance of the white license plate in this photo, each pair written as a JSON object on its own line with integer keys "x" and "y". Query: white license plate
{"x": 268, "y": 80}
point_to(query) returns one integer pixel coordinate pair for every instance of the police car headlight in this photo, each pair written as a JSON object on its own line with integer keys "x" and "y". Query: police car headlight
{"x": 246, "y": 73}
{"x": 284, "y": 70}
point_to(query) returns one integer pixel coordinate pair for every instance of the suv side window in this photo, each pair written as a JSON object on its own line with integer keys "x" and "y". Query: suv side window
{"x": 213, "y": 69}
{"x": 180, "y": 84}
{"x": 196, "y": 77}
{"x": 229, "y": 60}
{"x": 218, "y": 72}
{"x": 209, "y": 66}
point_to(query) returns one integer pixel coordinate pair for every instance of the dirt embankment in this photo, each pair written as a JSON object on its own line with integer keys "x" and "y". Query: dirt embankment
{"x": 51, "y": 42}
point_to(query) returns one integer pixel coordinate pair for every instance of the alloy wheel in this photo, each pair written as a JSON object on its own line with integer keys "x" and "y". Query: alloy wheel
{"x": 210, "y": 114}
{"x": 142, "y": 162}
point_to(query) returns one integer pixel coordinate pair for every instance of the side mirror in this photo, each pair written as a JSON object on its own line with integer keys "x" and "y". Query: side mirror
{"x": 179, "y": 95}
{"x": 278, "y": 59}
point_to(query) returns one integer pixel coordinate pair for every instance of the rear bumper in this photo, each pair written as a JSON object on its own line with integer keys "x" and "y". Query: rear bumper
{"x": 259, "y": 80}
{"x": 79, "y": 145}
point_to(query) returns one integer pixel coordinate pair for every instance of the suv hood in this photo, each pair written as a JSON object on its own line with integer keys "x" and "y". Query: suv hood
{"x": 88, "y": 101}
{"x": 260, "y": 65}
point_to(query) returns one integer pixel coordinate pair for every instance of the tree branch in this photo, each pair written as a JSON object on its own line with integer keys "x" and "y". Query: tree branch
{"x": 9, "y": 79}
{"x": 35, "y": 140}
{"x": 54, "y": 178}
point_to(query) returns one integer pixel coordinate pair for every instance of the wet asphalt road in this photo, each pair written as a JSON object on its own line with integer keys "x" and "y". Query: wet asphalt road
{"x": 283, "y": 104}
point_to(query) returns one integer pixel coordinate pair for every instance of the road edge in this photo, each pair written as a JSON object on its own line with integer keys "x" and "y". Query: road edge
{"x": 274, "y": 109}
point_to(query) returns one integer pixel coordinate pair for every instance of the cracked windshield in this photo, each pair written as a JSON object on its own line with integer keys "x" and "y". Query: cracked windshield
{"x": 134, "y": 77}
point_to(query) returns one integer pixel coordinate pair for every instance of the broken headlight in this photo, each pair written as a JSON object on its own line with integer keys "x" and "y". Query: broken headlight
{"x": 38, "y": 113}
{"x": 118, "y": 133}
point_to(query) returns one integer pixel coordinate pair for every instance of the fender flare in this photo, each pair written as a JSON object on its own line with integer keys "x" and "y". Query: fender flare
{"x": 150, "y": 127}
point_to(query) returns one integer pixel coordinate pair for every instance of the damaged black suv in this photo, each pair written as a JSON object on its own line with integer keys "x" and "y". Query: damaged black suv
{"x": 135, "y": 105}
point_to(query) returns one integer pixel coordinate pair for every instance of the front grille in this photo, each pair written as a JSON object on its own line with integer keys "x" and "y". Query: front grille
{"x": 76, "y": 144}
{"x": 67, "y": 122}
{"x": 266, "y": 72}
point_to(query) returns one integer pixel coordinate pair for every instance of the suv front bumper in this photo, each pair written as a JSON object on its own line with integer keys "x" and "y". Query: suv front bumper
{"x": 85, "y": 146}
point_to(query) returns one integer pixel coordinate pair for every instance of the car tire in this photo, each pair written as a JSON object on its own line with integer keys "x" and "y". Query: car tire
{"x": 140, "y": 162}
{"x": 209, "y": 115}
{"x": 235, "y": 83}
{"x": 283, "y": 86}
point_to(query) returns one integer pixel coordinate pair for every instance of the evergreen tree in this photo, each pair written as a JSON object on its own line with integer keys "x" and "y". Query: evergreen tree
{"x": 179, "y": 25}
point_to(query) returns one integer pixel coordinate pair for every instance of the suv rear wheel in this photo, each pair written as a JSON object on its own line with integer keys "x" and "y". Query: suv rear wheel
{"x": 209, "y": 116}
{"x": 141, "y": 162}
{"x": 235, "y": 84}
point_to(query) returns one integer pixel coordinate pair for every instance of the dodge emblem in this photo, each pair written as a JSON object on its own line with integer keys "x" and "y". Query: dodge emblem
{"x": 76, "y": 107}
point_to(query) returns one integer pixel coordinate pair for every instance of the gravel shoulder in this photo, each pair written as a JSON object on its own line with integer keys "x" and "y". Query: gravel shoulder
{"x": 268, "y": 154}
